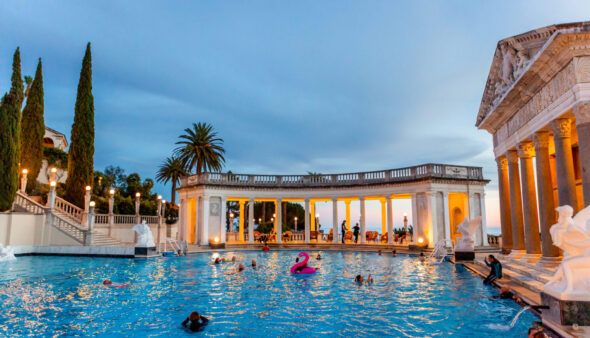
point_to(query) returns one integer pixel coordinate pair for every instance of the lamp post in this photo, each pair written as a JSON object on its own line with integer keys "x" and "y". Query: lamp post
{"x": 295, "y": 219}
{"x": 52, "y": 174}
{"x": 137, "y": 201}
{"x": 161, "y": 209}
{"x": 231, "y": 222}
{"x": 23, "y": 181}
{"x": 111, "y": 209}
{"x": 317, "y": 223}
{"x": 86, "y": 204}
{"x": 51, "y": 198}
{"x": 91, "y": 205}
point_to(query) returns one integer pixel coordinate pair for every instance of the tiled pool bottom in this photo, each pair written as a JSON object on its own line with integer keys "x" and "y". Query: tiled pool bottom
{"x": 53, "y": 296}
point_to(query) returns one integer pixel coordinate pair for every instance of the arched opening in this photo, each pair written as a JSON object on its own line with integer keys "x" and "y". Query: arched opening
{"x": 48, "y": 142}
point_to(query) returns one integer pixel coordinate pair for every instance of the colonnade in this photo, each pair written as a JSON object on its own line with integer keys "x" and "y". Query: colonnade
{"x": 521, "y": 191}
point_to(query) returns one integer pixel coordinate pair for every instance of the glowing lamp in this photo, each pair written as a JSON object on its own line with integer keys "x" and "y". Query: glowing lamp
{"x": 317, "y": 215}
{"x": 274, "y": 215}
{"x": 420, "y": 240}
{"x": 216, "y": 239}
{"x": 25, "y": 171}
{"x": 53, "y": 170}
{"x": 52, "y": 184}
{"x": 112, "y": 192}
{"x": 295, "y": 217}
{"x": 92, "y": 204}
{"x": 88, "y": 188}
{"x": 159, "y": 197}
{"x": 231, "y": 214}
{"x": 163, "y": 201}
{"x": 137, "y": 194}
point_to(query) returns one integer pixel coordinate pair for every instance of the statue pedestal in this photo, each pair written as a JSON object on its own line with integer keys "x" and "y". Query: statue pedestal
{"x": 565, "y": 311}
{"x": 464, "y": 255}
{"x": 145, "y": 252}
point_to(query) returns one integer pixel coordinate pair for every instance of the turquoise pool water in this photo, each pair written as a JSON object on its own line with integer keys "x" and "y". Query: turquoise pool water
{"x": 47, "y": 296}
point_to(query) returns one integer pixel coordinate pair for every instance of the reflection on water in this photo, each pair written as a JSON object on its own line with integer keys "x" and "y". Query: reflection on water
{"x": 64, "y": 295}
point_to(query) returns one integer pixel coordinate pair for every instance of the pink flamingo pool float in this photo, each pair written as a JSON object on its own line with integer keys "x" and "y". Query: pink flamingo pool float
{"x": 301, "y": 267}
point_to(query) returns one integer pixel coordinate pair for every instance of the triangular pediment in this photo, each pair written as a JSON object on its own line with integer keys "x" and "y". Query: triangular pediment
{"x": 512, "y": 58}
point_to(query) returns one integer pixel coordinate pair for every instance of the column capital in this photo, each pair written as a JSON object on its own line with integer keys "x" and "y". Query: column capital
{"x": 541, "y": 139}
{"x": 361, "y": 198}
{"x": 526, "y": 149}
{"x": 512, "y": 156}
{"x": 582, "y": 112}
{"x": 562, "y": 127}
{"x": 502, "y": 163}
{"x": 335, "y": 199}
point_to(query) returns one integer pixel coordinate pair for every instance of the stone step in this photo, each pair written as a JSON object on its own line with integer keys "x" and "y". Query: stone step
{"x": 518, "y": 277}
{"x": 547, "y": 269}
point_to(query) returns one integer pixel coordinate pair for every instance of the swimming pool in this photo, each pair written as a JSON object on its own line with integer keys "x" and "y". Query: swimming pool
{"x": 64, "y": 296}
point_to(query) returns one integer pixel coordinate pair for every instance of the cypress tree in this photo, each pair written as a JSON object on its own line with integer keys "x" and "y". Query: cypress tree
{"x": 81, "y": 154}
{"x": 10, "y": 106}
{"x": 33, "y": 129}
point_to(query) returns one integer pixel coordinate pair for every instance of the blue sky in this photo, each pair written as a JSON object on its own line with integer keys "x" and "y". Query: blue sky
{"x": 325, "y": 86}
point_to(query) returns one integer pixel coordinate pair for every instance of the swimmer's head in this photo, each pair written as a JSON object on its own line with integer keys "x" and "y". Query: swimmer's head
{"x": 194, "y": 316}
{"x": 241, "y": 267}
{"x": 107, "y": 282}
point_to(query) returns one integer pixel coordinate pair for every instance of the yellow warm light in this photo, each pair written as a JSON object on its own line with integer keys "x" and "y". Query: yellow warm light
{"x": 54, "y": 170}
{"x": 112, "y": 191}
{"x": 295, "y": 218}
{"x": 216, "y": 239}
{"x": 52, "y": 184}
{"x": 25, "y": 171}
{"x": 163, "y": 201}
{"x": 231, "y": 214}
{"x": 88, "y": 188}
{"x": 92, "y": 204}
{"x": 159, "y": 197}
{"x": 420, "y": 240}
{"x": 137, "y": 194}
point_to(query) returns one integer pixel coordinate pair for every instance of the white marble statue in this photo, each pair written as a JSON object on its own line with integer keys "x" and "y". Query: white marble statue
{"x": 467, "y": 229}
{"x": 145, "y": 238}
{"x": 571, "y": 281}
{"x": 6, "y": 253}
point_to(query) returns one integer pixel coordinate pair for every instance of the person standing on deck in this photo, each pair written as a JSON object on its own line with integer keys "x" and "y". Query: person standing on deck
{"x": 343, "y": 230}
{"x": 356, "y": 230}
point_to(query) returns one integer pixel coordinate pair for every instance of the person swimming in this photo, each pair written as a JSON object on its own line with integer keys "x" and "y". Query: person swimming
{"x": 422, "y": 257}
{"x": 217, "y": 260}
{"x": 108, "y": 282}
{"x": 195, "y": 322}
{"x": 241, "y": 267}
{"x": 370, "y": 279}
{"x": 254, "y": 264}
{"x": 394, "y": 253}
{"x": 318, "y": 257}
{"x": 359, "y": 279}
{"x": 233, "y": 258}
{"x": 265, "y": 248}
{"x": 379, "y": 252}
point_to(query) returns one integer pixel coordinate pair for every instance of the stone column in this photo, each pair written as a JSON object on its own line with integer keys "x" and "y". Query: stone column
{"x": 307, "y": 220}
{"x": 582, "y": 112}
{"x": 111, "y": 212}
{"x": 347, "y": 204}
{"x": 223, "y": 229}
{"x": 205, "y": 221}
{"x": 312, "y": 220}
{"x": 251, "y": 221}
{"x": 363, "y": 225}
{"x": 276, "y": 218}
{"x": 564, "y": 163}
{"x": 241, "y": 221}
{"x": 335, "y": 231}
{"x": 545, "y": 193}
{"x": 484, "y": 225}
{"x": 414, "y": 236}
{"x": 526, "y": 152}
{"x": 504, "y": 190}
{"x": 279, "y": 219}
{"x": 515, "y": 202}
{"x": 383, "y": 217}
{"x": 447, "y": 218}
{"x": 390, "y": 234}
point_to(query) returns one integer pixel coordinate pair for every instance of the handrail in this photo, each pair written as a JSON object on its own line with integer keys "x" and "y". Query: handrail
{"x": 70, "y": 229}
{"x": 28, "y": 204}
{"x": 408, "y": 174}
{"x": 63, "y": 206}
{"x": 125, "y": 219}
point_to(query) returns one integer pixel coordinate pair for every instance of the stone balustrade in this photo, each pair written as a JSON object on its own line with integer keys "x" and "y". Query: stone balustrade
{"x": 400, "y": 175}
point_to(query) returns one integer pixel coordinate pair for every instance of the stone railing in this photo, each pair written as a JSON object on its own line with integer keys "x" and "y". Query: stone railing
{"x": 409, "y": 174}
{"x": 65, "y": 207}
{"x": 125, "y": 219}
{"x": 28, "y": 204}
{"x": 494, "y": 240}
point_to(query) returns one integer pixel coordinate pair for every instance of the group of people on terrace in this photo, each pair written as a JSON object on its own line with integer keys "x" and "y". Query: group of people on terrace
{"x": 401, "y": 236}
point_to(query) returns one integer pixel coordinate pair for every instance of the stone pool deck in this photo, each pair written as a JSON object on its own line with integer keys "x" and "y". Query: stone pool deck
{"x": 526, "y": 276}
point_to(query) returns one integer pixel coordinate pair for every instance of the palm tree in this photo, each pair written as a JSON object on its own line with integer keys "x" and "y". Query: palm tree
{"x": 171, "y": 170}
{"x": 200, "y": 148}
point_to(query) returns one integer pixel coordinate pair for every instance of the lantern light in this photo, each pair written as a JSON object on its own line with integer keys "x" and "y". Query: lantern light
{"x": 25, "y": 171}
{"x": 112, "y": 192}
{"x": 88, "y": 188}
{"x": 92, "y": 204}
{"x": 52, "y": 184}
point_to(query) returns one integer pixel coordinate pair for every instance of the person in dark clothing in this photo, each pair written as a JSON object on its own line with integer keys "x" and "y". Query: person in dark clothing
{"x": 343, "y": 230}
{"x": 355, "y": 231}
{"x": 195, "y": 322}
{"x": 495, "y": 269}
